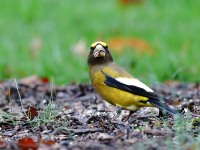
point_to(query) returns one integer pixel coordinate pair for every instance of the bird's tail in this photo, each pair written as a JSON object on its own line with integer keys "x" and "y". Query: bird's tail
{"x": 161, "y": 105}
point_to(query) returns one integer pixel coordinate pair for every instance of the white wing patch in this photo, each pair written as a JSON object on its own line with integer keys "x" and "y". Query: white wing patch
{"x": 134, "y": 82}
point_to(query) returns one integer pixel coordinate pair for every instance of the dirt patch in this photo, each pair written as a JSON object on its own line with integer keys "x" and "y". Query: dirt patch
{"x": 37, "y": 114}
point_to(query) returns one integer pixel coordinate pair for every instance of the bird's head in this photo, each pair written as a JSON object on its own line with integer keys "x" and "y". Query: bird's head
{"x": 99, "y": 54}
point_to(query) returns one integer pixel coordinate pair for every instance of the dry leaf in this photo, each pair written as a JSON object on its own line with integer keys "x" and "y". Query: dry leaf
{"x": 46, "y": 142}
{"x": 27, "y": 144}
{"x": 32, "y": 113}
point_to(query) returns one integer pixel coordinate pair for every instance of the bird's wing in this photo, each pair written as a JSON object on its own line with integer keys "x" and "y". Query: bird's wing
{"x": 133, "y": 86}
{"x": 142, "y": 90}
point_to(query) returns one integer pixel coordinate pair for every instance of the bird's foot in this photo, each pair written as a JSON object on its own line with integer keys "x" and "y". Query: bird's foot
{"x": 129, "y": 115}
{"x": 118, "y": 110}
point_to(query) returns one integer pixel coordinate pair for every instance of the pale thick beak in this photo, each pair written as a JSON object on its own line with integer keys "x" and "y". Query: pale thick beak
{"x": 99, "y": 51}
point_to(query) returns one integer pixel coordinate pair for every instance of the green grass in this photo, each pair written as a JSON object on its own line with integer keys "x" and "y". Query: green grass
{"x": 170, "y": 27}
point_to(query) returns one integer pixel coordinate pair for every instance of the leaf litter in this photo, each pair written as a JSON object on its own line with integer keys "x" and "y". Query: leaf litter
{"x": 39, "y": 115}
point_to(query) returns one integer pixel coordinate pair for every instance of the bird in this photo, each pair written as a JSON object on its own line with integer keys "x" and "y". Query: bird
{"x": 118, "y": 87}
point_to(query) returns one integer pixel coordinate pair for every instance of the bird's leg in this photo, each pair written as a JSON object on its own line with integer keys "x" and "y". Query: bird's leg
{"x": 127, "y": 117}
{"x": 118, "y": 110}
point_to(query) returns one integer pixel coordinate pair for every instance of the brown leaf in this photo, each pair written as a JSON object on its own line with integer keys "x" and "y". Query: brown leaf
{"x": 46, "y": 142}
{"x": 32, "y": 113}
{"x": 2, "y": 144}
{"x": 27, "y": 144}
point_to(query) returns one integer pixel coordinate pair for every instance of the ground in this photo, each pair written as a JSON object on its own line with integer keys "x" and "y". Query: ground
{"x": 153, "y": 40}
{"x": 35, "y": 113}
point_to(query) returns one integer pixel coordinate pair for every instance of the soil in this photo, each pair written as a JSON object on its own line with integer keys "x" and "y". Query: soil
{"x": 39, "y": 115}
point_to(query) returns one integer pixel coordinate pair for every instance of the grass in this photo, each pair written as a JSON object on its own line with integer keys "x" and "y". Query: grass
{"x": 183, "y": 138}
{"x": 170, "y": 27}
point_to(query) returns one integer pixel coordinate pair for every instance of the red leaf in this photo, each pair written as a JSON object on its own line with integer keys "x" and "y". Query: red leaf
{"x": 32, "y": 113}
{"x": 44, "y": 80}
{"x": 27, "y": 144}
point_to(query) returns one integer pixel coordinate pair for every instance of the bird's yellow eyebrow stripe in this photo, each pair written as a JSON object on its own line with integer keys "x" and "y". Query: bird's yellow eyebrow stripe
{"x": 95, "y": 44}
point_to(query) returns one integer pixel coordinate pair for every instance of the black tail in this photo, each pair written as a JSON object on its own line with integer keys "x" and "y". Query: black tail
{"x": 161, "y": 105}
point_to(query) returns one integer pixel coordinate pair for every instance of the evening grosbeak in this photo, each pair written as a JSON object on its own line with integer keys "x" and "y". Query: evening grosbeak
{"x": 117, "y": 86}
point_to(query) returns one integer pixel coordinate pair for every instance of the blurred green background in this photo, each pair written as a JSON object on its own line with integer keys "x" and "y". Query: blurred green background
{"x": 51, "y": 38}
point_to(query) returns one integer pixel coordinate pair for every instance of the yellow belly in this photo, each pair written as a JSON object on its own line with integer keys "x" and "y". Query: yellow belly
{"x": 120, "y": 98}
{"x": 112, "y": 95}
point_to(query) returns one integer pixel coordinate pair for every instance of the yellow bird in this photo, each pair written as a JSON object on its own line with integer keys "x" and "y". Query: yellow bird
{"x": 117, "y": 86}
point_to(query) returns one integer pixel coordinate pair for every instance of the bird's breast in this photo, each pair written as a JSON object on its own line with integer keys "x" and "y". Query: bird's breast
{"x": 116, "y": 96}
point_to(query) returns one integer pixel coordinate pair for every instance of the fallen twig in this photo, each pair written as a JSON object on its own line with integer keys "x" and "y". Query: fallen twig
{"x": 82, "y": 98}
{"x": 156, "y": 132}
{"x": 78, "y": 130}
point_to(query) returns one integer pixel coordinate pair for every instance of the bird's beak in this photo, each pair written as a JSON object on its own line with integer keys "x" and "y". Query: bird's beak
{"x": 99, "y": 51}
